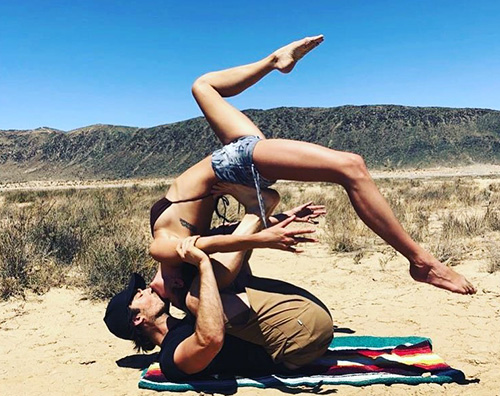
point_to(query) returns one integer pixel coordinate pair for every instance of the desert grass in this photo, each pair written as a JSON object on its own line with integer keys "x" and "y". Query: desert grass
{"x": 96, "y": 238}
{"x": 93, "y": 239}
{"x": 493, "y": 264}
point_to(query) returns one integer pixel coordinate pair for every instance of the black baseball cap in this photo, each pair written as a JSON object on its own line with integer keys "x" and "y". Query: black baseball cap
{"x": 117, "y": 313}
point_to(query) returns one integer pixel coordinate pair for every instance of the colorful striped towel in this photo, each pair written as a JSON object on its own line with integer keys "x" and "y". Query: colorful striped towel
{"x": 350, "y": 360}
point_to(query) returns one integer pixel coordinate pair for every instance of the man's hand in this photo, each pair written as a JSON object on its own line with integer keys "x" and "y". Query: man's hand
{"x": 305, "y": 213}
{"x": 278, "y": 237}
{"x": 189, "y": 253}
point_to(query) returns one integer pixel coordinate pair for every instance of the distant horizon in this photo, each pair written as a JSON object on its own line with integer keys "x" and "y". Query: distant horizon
{"x": 249, "y": 109}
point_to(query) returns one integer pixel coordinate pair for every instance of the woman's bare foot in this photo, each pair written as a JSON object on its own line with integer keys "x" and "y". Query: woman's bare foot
{"x": 442, "y": 276}
{"x": 247, "y": 196}
{"x": 287, "y": 56}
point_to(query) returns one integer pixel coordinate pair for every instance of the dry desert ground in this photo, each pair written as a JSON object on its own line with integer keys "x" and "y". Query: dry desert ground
{"x": 57, "y": 343}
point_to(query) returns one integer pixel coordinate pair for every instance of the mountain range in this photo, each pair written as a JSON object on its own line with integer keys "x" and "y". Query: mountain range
{"x": 387, "y": 136}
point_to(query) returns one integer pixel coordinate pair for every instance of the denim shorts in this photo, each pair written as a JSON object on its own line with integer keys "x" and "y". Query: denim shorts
{"x": 233, "y": 163}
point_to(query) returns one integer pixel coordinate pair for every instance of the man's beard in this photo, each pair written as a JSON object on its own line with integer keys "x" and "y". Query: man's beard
{"x": 165, "y": 308}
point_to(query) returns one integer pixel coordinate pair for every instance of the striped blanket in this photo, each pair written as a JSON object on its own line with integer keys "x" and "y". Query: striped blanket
{"x": 350, "y": 360}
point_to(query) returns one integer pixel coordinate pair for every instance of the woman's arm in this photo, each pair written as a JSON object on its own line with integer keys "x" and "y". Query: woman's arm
{"x": 305, "y": 213}
{"x": 163, "y": 248}
{"x": 275, "y": 237}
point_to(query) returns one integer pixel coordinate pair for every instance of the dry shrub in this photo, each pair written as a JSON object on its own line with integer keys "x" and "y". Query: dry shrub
{"x": 358, "y": 256}
{"x": 26, "y": 262}
{"x": 492, "y": 217}
{"x": 493, "y": 259}
{"x": 463, "y": 225}
{"x": 435, "y": 194}
{"x": 287, "y": 199}
{"x": 344, "y": 231}
{"x": 95, "y": 231}
{"x": 493, "y": 193}
{"x": 439, "y": 194}
{"x": 469, "y": 196}
{"x": 23, "y": 196}
{"x": 447, "y": 250}
{"x": 411, "y": 212}
{"x": 388, "y": 255}
{"x": 107, "y": 262}
{"x": 417, "y": 224}
{"x": 467, "y": 193}
{"x": 102, "y": 235}
{"x": 113, "y": 247}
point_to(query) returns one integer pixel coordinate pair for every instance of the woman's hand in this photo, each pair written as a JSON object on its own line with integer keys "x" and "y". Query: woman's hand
{"x": 189, "y": 253}
{"x": 305, "y": 213}
{"x": 278, "y": 237}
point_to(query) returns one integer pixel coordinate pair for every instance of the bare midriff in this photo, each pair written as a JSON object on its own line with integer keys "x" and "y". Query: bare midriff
{"x": 183, "y": 219}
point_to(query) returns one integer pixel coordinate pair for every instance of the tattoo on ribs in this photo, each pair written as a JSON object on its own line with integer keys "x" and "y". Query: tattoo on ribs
{"x": 189, "y": 226}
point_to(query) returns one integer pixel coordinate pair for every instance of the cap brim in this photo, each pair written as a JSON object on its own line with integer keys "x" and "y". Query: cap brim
{"x": 136, "y": 282}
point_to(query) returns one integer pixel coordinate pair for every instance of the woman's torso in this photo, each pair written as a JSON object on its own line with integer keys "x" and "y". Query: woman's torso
{"x": 192, "y": 216}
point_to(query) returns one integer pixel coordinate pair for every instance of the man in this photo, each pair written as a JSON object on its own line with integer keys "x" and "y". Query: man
{"x": 274, "y": 325}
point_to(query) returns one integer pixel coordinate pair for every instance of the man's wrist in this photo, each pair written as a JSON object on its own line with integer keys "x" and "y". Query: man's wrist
{"x": 204, "y": 262}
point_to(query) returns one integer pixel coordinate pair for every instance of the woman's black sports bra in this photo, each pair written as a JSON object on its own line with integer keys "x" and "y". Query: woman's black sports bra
{"x": 162, "y": 205}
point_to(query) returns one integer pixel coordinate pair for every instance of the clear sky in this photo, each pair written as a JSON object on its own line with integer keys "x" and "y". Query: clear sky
{"x": 72, "y": 63}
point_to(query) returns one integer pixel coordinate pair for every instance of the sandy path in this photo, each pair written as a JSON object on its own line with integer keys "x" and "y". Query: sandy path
{"x": 57, "y": 344}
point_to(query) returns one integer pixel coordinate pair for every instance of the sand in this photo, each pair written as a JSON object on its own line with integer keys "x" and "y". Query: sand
{"x": 57, "y": 344}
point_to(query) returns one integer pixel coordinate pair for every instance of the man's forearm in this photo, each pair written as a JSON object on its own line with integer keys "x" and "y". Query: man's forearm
{"x": 210, "y": 320}
{"x": 196, "y": 352}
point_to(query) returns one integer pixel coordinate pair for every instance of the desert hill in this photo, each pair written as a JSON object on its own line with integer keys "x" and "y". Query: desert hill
{"x": 388, "y": 136}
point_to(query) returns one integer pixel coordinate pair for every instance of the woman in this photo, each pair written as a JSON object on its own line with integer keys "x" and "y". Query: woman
{"x": 249, "y": 158}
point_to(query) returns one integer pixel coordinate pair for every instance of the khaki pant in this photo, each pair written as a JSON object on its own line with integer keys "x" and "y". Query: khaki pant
{"x": 290, "y": 323}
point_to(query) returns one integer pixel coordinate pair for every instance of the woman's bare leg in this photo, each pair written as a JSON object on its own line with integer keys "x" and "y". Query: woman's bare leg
{"x": 209, "y": 90}
{"x": 315, "y": 163}
{"x": 229, "y": 265}
{"x": 294, "y": 160}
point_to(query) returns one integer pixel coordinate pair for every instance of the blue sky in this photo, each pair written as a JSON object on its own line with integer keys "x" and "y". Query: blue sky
{"x": 68, "y": 64}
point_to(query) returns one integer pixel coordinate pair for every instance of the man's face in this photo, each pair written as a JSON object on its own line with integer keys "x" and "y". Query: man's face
{"x": 149, "y": 304}
{"x": 167, "y": 284}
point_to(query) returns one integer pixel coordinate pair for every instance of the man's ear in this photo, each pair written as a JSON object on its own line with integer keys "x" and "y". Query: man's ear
{"x": 138, "y": 320}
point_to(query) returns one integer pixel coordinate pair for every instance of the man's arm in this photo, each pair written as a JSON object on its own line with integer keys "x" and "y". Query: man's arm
{"x": 197, "y": 351}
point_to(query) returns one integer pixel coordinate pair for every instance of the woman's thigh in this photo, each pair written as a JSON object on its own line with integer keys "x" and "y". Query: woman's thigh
{"x": 227, "y": 122}
{"x": 300, "y": 161}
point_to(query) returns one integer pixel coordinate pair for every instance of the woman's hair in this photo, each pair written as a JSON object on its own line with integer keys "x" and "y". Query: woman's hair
{"x": 141, "y": 340}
